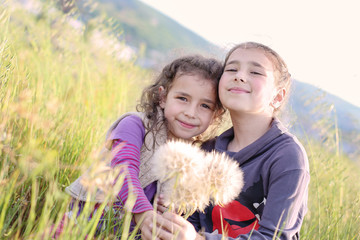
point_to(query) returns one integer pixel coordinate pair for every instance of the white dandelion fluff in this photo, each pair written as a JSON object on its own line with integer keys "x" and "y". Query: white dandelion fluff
{"x": 190, "y": 178}
{"x": 225, "y": 178}
{"x": 179, "y": 169}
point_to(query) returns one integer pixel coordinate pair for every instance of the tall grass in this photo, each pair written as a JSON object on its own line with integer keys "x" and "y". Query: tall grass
{"x": 334, "y": 196}
{"x": 58, "y": 95}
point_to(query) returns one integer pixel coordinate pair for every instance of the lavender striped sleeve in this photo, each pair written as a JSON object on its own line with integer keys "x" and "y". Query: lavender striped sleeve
{"x": 130, "y": 131}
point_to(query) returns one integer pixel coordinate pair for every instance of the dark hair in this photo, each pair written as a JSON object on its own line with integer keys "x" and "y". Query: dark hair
{"x": 281, "y": 74}
{"x": 208, "y": 68}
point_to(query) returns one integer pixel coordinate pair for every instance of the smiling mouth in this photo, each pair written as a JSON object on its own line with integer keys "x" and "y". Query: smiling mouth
{"x": 238, "y": 90}
{"x": 186, "y": 125}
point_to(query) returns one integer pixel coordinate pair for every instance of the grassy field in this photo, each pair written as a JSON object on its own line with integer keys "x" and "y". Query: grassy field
{"x": 58, "y": 94}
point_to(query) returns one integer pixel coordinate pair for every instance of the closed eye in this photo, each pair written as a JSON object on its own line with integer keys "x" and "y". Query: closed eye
{"x": 231, "y": 70}
{"x": 256, "y": 73}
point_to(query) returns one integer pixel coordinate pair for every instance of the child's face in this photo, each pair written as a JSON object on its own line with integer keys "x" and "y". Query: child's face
{"x": 248, "y": 82}
{"x": 189, "y": 106}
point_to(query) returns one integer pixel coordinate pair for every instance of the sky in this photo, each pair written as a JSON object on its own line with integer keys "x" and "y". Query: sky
{"x": 318, "y": 39}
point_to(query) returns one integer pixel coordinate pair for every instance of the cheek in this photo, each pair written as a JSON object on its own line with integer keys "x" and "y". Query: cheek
{"x": 222, "y": 89}
{"x": 221, "y": 82}
{"x": 207, "y": 120}
{"x": 210, "y": 117}
{"x": 167, "y": 113}
{"x": 266, "y": 93}
{"x": 205, "y": 115}
{"x": 259, "y": 86}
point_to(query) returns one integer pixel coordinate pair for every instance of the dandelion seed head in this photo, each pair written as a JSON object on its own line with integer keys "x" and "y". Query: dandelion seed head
{"x": 179, "y": 166}
{"x": 190, "y": 179}
{"x": 225, "y": 177}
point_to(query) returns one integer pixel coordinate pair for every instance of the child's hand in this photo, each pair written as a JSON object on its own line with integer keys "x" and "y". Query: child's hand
{"x": 161, "y": 208}
{"x": 146, "y": 222}
{"x": 172, "y": 226}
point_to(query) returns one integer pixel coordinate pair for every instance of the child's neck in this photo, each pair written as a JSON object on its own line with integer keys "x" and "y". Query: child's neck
{"x": 247, "y": 129}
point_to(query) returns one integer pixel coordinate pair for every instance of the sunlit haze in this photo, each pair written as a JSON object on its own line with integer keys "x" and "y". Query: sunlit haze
{"x": 319, "y": 40}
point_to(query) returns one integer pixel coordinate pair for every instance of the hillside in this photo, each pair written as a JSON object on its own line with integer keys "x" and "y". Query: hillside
{"x": 151, "y": 38}
{"x": 150, "y": 33}
{"x": 141, "y": 25}
{"x": 323, "y": 116}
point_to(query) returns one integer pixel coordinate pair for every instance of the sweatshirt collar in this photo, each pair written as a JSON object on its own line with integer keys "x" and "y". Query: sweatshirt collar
{"x": 260, "y": 145}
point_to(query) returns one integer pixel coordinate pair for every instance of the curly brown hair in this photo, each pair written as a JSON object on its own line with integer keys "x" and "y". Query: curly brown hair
{"x": 207, "y": 68}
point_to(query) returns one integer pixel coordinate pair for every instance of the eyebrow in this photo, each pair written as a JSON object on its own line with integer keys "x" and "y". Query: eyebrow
{"x": 203, "y": 99}
{"x": 256, "y": 64}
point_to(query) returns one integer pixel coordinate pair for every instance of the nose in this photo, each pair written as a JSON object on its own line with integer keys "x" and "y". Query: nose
{"x": 239, "y": 77}
{"x": 190, "y": 111}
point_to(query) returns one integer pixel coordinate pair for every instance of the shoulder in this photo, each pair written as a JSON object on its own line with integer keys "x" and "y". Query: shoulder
{"x": 289, "y": 153}
{"x": 128, "y": 127}
{"x": 286, "y": 145}
{"x": 130, "y": 120}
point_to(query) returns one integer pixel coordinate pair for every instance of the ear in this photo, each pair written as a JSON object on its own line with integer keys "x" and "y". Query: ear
{"x": 279, "y": 98}
{"x": 162, "y": 94}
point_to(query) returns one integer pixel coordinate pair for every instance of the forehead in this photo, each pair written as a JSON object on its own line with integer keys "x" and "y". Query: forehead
{"x": 191, "y": 79}
{"x": 194, "y": 86}
{"x": 256, "y": 56}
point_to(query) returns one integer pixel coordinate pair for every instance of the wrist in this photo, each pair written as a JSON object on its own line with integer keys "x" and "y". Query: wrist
{"x": 138, "y": 216}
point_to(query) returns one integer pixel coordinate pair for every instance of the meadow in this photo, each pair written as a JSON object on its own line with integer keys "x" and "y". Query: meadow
{"x": 59, "y": 92}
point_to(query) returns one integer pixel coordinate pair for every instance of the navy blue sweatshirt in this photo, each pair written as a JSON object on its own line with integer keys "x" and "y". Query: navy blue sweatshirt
{"x": 274, "y": 196}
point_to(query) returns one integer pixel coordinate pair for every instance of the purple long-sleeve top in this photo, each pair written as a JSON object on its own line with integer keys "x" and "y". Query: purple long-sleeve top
{"x": 131, "y": 131}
